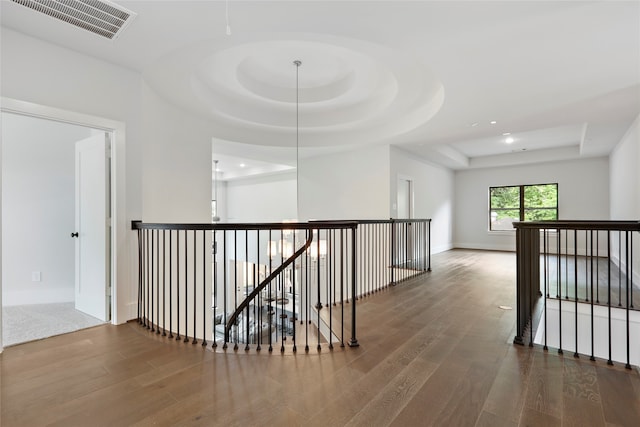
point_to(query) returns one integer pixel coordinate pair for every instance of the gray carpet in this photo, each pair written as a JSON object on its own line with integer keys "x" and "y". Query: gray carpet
{"x": 23, "y": 323}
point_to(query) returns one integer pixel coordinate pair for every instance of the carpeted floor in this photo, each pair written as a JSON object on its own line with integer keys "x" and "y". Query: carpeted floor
{"x": 23, "y": 323}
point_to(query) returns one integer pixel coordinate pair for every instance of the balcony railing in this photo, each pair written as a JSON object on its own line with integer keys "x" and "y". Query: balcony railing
{"x": 576, "y": 283}
{"x": 277, "y": 285}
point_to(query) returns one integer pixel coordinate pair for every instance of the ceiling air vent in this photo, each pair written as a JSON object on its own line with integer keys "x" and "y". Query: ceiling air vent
{"x": 98, "y": 16}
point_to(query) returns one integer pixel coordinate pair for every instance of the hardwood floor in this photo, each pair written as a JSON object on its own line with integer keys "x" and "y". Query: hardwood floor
{"x": 433, "y": 351}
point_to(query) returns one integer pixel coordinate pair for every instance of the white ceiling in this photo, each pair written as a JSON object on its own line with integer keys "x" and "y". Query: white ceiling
{"x": 563, "y": 78}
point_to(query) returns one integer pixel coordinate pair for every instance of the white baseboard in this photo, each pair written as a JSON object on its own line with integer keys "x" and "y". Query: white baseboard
{"x": 484, "y": 247}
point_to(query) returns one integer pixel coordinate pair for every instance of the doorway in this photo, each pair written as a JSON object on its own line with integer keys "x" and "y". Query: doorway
{"x": 39, "y": 266}
{"x": 404, "y": 233}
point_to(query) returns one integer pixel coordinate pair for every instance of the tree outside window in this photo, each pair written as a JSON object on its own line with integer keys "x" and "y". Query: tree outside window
{"x": 522, "y": 203}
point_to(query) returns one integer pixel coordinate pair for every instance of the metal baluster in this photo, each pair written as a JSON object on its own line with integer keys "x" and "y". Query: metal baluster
{"x": 256, "y": 280}
{"x": 270, "y": 310}
{"x": 178, "y": 283}
{"x": 354, "y": 341}
{"x": 342, "y": 255}
{"x": 158, "y": 282}
{"x": 164, "y": 282}
{"x": 592, "y": 358}
{"x": 331, "y": 261}
{"x": 628, "y": 262}
{"x": 292, "y": 321}
{"x": 575, "y": 247}
{"x": 214, "y": 284}
{"x": 619, "y": 268}
{"x": 170, "y": 284}
{"x": 225, "y": 285}
{"x": 609, "y": 361}
{"x": 140, "y": 270}
{"x": 204, "y": 288}
{"x": 186, "y": 287}
{"x": 246, "y": 287}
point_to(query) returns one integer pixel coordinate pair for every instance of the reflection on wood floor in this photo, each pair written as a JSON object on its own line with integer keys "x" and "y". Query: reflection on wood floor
{"x": 435, "y": 350}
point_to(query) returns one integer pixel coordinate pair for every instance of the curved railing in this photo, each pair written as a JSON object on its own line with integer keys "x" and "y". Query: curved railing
{"x": 271, "y": 284}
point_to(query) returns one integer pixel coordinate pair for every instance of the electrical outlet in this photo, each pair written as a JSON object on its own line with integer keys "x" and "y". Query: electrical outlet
{"x": 36, "y": 276}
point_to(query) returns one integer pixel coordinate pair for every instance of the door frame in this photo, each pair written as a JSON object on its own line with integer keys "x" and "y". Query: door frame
{"x": 119, "y": 238}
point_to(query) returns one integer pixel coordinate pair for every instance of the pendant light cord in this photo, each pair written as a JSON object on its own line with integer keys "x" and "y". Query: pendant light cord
{"x": 297, "y": 63}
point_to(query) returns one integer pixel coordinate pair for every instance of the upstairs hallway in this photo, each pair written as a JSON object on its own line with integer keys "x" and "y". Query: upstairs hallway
{"x": 435, "y": 350}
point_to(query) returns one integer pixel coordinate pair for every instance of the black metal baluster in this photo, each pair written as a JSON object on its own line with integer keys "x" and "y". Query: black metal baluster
{"x": 178, "y": 284}
{"x": 271, "y": 313}
{"x": 214, "y": 285}
{"x": 429, "y": 245}
{"x": 140, "y": 270}
{"x": 246, "y": 287}
{"x": 158, "y": 282}
{"x": 586, "y": 265}
{"x": 186, "y": 287}
{"x": 170, "y": 284}
{"x": 256, "y": 281}
{"x": 342, "y": 255}
{"x": 546, "y": 292}
{"x": 393, "y": 253}
{"x": 354, "y": 341}
{"x": 566, "y": 265}
{"x": 235, "y": 284}
{"x": 592, "y": 332}
{"x": 148, "y": 284}
{"x": 628, "y": 262}
{"x": 575, "y": 247}
{"x": 164, "y": 282}
{"x": 308, "y": 297}
{"x": 619, "y": 268}
{"x": 609, "y": 361}
{"x": 225, "y": 285}
{"x": 598, "y": 266}
{"x": 204, "y": 288}
{"x": 194, "y": 305}
{"x": 330, "y": 255}
{"x": 293, "y": 297}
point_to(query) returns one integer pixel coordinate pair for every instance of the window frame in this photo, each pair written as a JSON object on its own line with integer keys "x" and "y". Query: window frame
{"x": 522, "y": 208}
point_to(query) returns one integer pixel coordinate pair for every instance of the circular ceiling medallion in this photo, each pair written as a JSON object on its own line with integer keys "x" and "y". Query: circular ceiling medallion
{"x": 350, "y": 92}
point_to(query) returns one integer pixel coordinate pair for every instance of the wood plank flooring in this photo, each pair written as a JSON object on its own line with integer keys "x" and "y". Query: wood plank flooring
{"x": 433, "y": 351}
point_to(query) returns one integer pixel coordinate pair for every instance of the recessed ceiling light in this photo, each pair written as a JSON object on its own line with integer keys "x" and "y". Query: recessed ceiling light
{"x": 509, "y": 140}
{"x": 474, "y": 124}
{"x": 242, "y": 165}
{"x": 506, "y": 133}
{"x": 493, "y": 122}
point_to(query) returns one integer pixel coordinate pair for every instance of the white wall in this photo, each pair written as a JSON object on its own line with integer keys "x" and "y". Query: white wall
{"x": 171, "y": 149}
{"x": 624, "y": 167}
{"x": 176, "y": 168}
{"x": 433, "y": 195}
{"x": 39, "y": 209}
{"x": 348, "y": 185}
{"x": 269, "y": 198}
{"x": 583, "y": 193}
{"x": 624, "y": 187}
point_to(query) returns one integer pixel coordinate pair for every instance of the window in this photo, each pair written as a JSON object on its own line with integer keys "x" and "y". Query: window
{"x": 522, "y": 203}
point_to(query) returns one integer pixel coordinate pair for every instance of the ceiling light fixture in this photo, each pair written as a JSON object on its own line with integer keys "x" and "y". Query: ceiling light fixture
{"x": 474, "y": 124}
{"x": 506, "y": 133}
{"x": 509, "y": 140}
{"x": 242, "y": 165}
{"x": 493, "y": 122}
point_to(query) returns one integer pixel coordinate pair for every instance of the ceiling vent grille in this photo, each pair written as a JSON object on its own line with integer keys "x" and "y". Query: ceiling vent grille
{"x": 98, "y": 16}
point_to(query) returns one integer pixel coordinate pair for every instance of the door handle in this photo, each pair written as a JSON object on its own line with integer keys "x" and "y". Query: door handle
{"x": 74, "y": 234}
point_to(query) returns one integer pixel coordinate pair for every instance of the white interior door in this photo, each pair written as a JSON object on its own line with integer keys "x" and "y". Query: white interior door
{"x": 92, "y": 226}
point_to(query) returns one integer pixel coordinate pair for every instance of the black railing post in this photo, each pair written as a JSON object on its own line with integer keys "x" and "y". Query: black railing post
{"x": 353, "y": 342}
{"x": 393, "y": 252}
